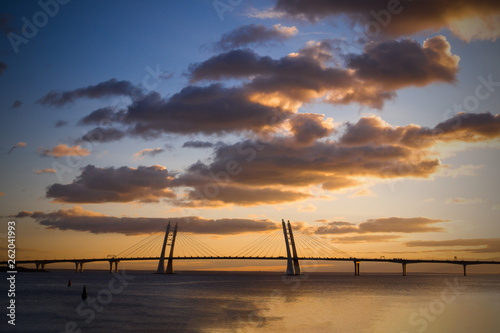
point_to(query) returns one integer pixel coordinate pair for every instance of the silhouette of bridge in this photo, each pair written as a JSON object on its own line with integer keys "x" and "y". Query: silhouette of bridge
{"x": 267, "y": 247}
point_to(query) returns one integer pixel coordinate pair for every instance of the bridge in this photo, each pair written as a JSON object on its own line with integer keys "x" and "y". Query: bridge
{"x": 263, "y": 248}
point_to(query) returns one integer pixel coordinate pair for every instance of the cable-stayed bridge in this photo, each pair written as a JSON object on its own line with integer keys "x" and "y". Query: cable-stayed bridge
{"x": 285, "y": 245}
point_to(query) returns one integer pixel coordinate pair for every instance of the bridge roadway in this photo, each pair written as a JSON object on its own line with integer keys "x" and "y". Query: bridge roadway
{"x": 356, "y": 261}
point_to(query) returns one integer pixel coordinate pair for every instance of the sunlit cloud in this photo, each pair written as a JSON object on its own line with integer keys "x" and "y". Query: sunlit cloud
{"x": 479, "y": 245}
{"x": 464, "y": 201}
{"x": 380, "y": 225}
{"x": 62, "y": 150}
{"x": 78, "y": 219}
{"x": 17, "y": 145}
{"x": 149, "y": 152}
{"x": 45, "y": 171}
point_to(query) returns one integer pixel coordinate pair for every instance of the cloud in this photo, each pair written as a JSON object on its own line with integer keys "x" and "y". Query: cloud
{"x": 99, "y": 185}
{"x": 282, "y": 168}
{"x": 3, "y": 67}
{"x": 403, "y": 63}
{"x": 306, "y": 208}
{"x": 370, "y": 79}
{"x": 60, "y": 123}
{"x": 468, "y": 20}
{"x": 78, "y": 219}
{"x": 480, "y": 245}
{"x": 16, "y": 104}
{"x": 465, "y": 127}
{"x": 17, "y": 145}
{"x": 387, "y": 225}
{"x": 148, "y": 152}
{"x": 464, "y": 201}
{"x": 211, "y": 109}
{"x": 102, "y": 134}
{"x": 108, "y": 88}
{"x": 45, "y": 171}
{"x": 209, "y": 193}
{"x": 365, "y": 239}
{"x": 309, "y": 127}
{"x": 65, "y": 150}
{"x": 254, "y": 35}
{"x": 197, "y": 144}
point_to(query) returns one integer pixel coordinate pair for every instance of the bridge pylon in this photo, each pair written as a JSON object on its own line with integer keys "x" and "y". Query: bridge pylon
{"x": 296, "y": 266}
{"x": 289, "y": 260}
{"x": 170, "y": 266}
{"x": 161, "y": 262}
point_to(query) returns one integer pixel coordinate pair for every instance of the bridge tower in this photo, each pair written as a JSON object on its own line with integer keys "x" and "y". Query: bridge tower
{"x": 170, "y": 267}
{"x": 296, "y": 266}
{"x": 289, "y": 263}
{"x": 161, "y": 263}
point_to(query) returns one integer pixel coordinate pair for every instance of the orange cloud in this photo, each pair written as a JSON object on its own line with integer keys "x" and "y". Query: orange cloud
{"x": 65, "y": 150}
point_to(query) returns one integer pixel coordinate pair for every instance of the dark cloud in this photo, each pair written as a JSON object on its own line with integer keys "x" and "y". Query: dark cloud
{"x": 386, "y": 225}
{"x": 101, "y": 134}
{"x": 212, "y": 109}
{"x": 99, "y": 117}
{"x": 99, "y": 185}
{"x": 60, "y": 123}
{"x": 308, "y": 127}
{"x": 404, "y": 17}
{"x": 214, "y": 194}
{"x": 254, "y": 35}
{"x": 16, "y": 104}
{"x": 466, "y": 127}
{"x": 396, "y": 64}
{"x": 79, "y": 219}
{"x": 233, "y": 64}
{"x": 197, "y": 144}
{"x": 108, "y": 88}
{"x": 480, "y": 245}
{"x": 3, "y": 67}
{"x": 370, "y": 79}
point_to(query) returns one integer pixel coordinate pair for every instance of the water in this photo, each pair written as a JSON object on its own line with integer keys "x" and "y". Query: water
{"x": 263, "y": 302}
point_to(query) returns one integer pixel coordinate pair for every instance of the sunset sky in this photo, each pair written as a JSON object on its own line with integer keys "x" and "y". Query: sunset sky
{"x": 372, "y": 125}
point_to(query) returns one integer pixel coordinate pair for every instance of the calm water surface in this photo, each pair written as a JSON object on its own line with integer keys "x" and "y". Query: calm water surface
{"x": 229, "y": 302}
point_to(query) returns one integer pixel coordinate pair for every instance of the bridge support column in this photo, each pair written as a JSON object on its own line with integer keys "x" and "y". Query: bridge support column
{"x": 43, "y": 267}
{"x": 296, "y": 266}
{"x": 356, "y": 268}
{"x": 81, "y": 267}
{"x": 289, "y": 263}
{"x": 76, "y": 266}
{"x": 404, "y": 268}
{"x": 465, "y": 270}
{"x": 170, "y": 265}
{"x": 116, "y": 266}
{"x": 161, "y": 263}
{"x": 37, "y": 265}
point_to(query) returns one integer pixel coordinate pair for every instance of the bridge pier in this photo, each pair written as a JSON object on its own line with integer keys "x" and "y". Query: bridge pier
{"x": 465, "y": 270}
{"x": 356, "y": 268}
{"x": 296, "y": 266}
{"x": 161, "y": 262}
{"x": 404, "y": 269}
{"x": 170, "y": 264}
{"x": 37, "y": 264}
{"x": 78, "y": 266}
{"x": 289, "y": 263}
{"x": 43, "y": 266}
{"x": 111, "y": 266}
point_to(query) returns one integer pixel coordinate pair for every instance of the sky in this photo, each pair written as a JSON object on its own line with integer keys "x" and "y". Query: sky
{"x": 370, "y": 125}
